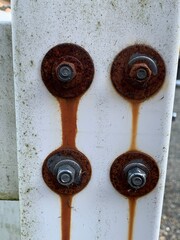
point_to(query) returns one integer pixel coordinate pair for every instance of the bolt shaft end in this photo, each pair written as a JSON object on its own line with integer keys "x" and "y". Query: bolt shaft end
{"x": 65, "y": 73}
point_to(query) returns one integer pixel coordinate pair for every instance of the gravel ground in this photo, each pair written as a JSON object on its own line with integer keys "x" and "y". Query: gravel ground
{"x": 170, "y": 223}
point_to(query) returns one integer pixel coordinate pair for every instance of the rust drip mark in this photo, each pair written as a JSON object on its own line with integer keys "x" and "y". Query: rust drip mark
{"x": 119, "y": 178}
{"x": 135, "y": 114}
{"x": 66, "y": 206}
{"x": 132, "y": 211}
{"x": 67, "y": 71}
{"x": 67, "y": 150}
{"x": 69, "y": 108}
{"x": 137, "y": 73}
{"x": 133, "y": 146}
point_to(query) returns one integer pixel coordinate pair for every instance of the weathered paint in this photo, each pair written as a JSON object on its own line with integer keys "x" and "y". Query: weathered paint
{"x": 104, "y": 119}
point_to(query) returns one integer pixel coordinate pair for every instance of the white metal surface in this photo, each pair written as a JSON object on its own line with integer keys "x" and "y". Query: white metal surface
{"x": 8, "y": 155}
{"x": 103, "y": 28}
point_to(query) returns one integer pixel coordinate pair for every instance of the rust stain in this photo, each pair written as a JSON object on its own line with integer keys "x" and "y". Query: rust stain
{"x": 80, "y": 158}
{"x": 69, "y": 108}
{"x": 122, "y": 74}
{"x": 135, "y": 114}
{"x": 68, "y": 149}
{"x": 132, "y": 211}
{"x": 66, "y": 202}
{"x": 75, "y": 56}
{"x": 133, "y": 146}
{"x": 135, "y": 90}
{"x": 119, "y": 178}
{"x": 68, "y": 95}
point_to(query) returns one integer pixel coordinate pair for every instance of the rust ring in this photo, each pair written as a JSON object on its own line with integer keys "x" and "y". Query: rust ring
{"x": 122, "y": 73}
{"x": 52, "y": 182}
{"x": 78, "y": 59}
{"x": 119, "y": 178}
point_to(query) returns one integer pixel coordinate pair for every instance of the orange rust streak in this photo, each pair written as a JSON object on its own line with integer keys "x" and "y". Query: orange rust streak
{"x": 66, "y": 201}
{"x": 132, "y": 210}
{"x": 69, "y": 108}
{"x": 135, "y": 113}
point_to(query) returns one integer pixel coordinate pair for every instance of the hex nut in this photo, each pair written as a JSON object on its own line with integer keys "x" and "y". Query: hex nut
{"x": 66, "y": 170}
{"x": 136, "y": 177}
{"x": 138, "y": 70}
{"x": 63, "y": 157}
{"x": 66, "y": 175}
{"x": 65, "y": 71}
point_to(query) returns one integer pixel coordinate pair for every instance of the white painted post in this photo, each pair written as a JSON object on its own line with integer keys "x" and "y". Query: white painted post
{"x": 103, "y": 28}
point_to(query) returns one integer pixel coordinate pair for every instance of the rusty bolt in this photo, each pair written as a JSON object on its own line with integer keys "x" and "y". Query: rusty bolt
{"x": 140, "y": 72}
{"x": 66, "y": 171}
{"x": 136, "y": 177}
{"x": 65, "y": 72}
{"x": 66, "y": 175}
{"x": 136, "y": 174}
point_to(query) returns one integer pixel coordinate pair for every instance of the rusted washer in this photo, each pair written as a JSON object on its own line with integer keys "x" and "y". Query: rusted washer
{"x": 51, "y": 180}
{"x": 122, "y": 71}
{"x": 118, "y": 174}
{"x": 78, "y": 59}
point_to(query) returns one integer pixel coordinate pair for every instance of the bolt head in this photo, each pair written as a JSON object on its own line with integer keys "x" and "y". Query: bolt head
{"x": 136, "y": 177}
{"x": 66, "y": 175}
{"x": 66, "y": 170}
{"x": 65, "y": 72}
{"x": 140, "y": 72}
